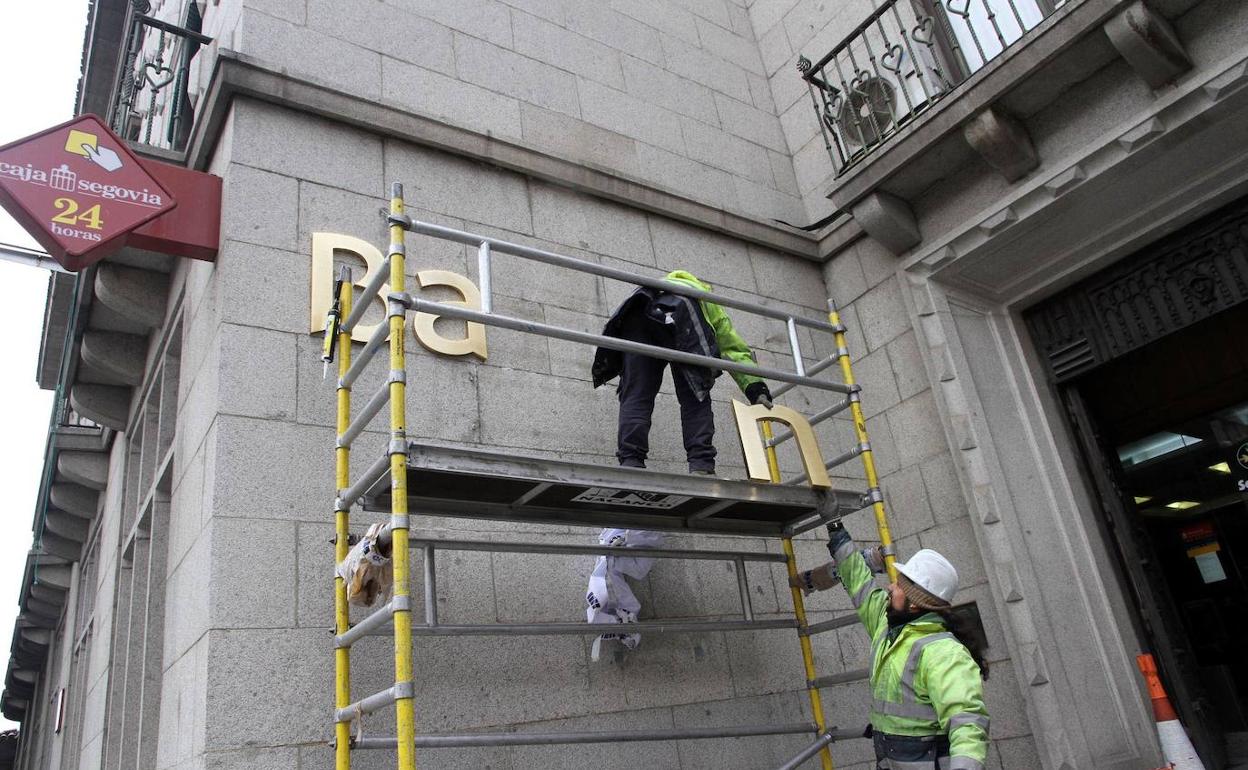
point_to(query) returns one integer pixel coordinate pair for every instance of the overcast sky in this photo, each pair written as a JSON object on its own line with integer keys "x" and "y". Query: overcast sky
{"x": 40, "y": 56}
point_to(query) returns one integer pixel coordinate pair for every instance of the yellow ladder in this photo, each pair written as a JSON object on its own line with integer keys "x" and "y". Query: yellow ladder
{"x": 877, "y": 506}
{"x": 403, "y": 692}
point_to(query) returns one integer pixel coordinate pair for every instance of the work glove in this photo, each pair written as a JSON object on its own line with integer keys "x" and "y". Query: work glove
{"x": 758, "y": 393}
{"x": 817, "y": 579}
{"x": 837, "y": 537}
{"x": 874, "y": 557}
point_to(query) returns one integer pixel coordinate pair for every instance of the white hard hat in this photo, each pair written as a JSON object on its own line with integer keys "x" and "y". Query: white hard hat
{"x": 933, "y": 573}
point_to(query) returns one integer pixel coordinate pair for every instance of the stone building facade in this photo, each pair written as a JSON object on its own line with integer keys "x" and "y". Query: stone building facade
{"x": 176, "y": 614}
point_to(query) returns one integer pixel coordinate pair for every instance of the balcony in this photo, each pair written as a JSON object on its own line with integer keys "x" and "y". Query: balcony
{"x": 905, "y": 58}
{"x": 921, "y": 87}
{"x": 150, "y": 105}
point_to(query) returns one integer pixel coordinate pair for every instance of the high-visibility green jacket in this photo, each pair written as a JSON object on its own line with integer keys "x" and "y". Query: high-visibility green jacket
{"x": 731, "y": 346}
{"x": 923, "y": 680}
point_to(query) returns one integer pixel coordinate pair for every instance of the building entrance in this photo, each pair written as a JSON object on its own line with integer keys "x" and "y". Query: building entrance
{"x": 1166, "y": 431}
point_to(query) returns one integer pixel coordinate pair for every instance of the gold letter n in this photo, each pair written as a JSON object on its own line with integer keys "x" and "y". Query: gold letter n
{"x": 748, "y": 419}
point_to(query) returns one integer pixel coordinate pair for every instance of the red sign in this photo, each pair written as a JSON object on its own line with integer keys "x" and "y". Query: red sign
{"x": 193, "y": 229}
{"x": 1197, "y": 532}
{"x": 78, "y": 189}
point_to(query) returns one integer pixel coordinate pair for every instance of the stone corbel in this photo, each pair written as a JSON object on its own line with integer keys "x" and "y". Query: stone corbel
{"x": 105, "y": 405}
{"x": 138, "y": 295}
{"x": 114, "y": 357}
{"x": 90, "y": 469}
{"x": 1003, "y": 143}
{"x": 1148, "y": 43}
{"x": 889, "y": 220}
{"x": 74, "y": 498}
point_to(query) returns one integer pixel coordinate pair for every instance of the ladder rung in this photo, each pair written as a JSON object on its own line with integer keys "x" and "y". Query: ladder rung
{"x": 366, "y": 415}
{"x": 605, "y": 736}
{"x": 817, "y": 418}
{"x": 594, "y": 629}
{"x": 368, "y": 625}
{"x": 360, "y": 306}
{"x": 362, "y": 359}
{"x": 811, "y": 372}
{"x": 840, "y": 459}
{"x": 374, "y": 702}
{"x": 841, "y": 678}
{"x": 828, "y": 625}
{"x": 375, "y": 471}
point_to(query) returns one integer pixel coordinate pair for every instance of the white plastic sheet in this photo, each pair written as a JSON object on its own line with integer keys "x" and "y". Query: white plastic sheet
{"x": 610, "y": 599}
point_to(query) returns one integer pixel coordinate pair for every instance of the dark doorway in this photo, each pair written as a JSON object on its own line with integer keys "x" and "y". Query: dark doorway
{"x": 1165, "y": 431}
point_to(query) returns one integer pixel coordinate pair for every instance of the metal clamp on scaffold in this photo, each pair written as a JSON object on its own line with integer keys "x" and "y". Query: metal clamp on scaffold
{"x": 398, "y": 303}
{"x": 402, "y": 220}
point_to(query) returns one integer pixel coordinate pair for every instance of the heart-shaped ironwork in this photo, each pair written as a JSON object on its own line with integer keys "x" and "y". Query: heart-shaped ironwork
{"x": 964, "y": 13}
{"x": 922, "y": 31}
{"x": 891, "y": 60}
{"x": 860, "y": 80}
{"x": 157, "y": 75}
{"x": 832, "y": 108}
{"x": 829, "y": 120}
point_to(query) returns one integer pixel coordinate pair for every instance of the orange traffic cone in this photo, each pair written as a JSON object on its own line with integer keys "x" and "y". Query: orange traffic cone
{"x": 1175, "y": 745}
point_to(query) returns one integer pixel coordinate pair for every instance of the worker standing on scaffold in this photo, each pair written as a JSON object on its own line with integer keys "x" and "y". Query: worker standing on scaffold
{"x": 681, "y": 323}
{"x": 677, "y": 322}
{"x": 927, "y": 670}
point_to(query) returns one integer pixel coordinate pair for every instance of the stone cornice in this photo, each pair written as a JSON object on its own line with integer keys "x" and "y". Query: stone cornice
{"x": 237, "y": 75}
{"x": 1008, "y": 224}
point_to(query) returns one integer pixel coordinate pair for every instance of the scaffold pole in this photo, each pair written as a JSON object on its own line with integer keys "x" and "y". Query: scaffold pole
{"x": 799, "y": 609}
{"x": 342, "y": 516}
{"x": 860, "y": 431}
{"x": 405, "y": 704}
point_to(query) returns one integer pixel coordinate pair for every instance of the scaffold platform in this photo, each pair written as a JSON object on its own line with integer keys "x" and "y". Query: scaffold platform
{"x": 471, "y": 483}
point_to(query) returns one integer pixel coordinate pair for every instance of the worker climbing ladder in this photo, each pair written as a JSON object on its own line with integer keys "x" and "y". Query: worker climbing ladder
{"x": 473, "y": 483}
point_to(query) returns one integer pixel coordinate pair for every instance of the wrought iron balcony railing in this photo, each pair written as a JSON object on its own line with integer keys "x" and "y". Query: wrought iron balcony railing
{"x": 151, "y": 105}
{"x": 907, "y": 56}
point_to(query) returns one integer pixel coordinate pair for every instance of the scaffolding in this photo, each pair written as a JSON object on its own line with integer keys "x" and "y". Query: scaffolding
{"x": 458, "y": 482}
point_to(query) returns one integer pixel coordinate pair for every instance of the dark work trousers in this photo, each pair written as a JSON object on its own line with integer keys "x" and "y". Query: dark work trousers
{"x": 639, "y": 384}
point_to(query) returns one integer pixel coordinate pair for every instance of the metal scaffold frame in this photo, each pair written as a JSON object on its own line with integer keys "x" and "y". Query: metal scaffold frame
{"x": 395, "y": 617}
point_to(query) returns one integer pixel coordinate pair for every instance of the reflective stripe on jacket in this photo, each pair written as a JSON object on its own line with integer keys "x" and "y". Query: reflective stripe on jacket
{"x": 731, "y": 346}
{"x": 923, "y": 680}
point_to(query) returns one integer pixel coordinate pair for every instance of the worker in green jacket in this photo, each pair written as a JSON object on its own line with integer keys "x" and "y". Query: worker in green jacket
{"x": 927, "y": 671}
{"x": 675, "y": 321}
